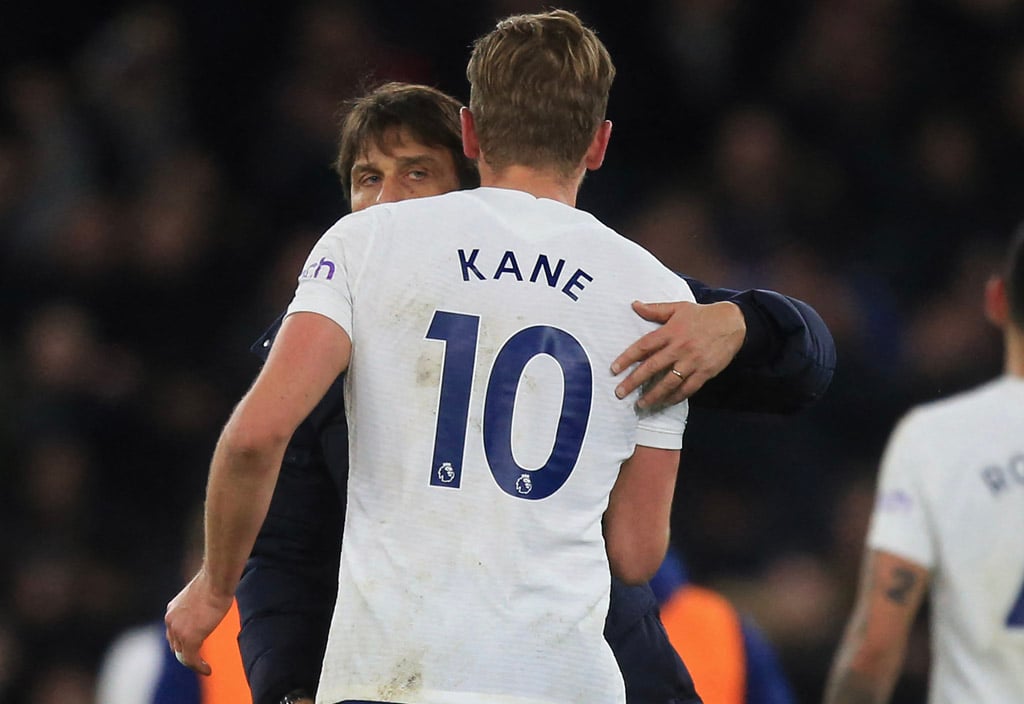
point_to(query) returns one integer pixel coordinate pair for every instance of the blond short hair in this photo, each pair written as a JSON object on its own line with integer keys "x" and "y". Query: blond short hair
{"x": 539, "y": 87}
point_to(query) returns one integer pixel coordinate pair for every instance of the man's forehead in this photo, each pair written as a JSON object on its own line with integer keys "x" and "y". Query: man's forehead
{"x": 389, "y": 140}
{"x": 392, "y": 140}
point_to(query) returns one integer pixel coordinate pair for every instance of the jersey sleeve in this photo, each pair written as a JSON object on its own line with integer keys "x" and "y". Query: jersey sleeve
{"x": 900, "y": 522}
{"x": 662, "y": 427}
{"x": 332, "y": 270}
{"x": 787, "y": 359}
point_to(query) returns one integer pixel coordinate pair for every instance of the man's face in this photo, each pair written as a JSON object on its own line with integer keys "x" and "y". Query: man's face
{"x": 403, "y": 169}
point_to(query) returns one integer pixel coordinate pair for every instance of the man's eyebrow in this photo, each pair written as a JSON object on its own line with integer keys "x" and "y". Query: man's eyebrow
{"x": 405, "y": 161}
{"x": 415, "y": 159}
{"x": 361, "y": 168}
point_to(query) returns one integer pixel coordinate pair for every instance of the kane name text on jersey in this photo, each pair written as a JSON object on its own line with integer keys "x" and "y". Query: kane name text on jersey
{"x": 539, "y": 269}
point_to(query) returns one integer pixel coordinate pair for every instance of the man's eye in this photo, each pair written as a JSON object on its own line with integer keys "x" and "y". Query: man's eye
{"x": 369, "y": 180}
{"x": 418, "y": 174}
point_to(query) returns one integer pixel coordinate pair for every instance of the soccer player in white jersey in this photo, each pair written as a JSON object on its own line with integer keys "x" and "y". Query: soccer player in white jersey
{"x": 949, "y": 519}
{"x": 496, "y": 477}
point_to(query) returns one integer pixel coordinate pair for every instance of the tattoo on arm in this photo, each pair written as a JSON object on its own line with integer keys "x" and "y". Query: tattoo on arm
{"x": 867, "y": 664}
{"x": 903, "y": 582}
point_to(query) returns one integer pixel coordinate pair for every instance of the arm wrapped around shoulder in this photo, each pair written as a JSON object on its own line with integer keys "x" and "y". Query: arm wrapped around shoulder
{"x": 787, "y": 359}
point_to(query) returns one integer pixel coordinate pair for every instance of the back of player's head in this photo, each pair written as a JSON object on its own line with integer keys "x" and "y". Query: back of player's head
{"x": 539, "y": 89}
{"x": 1014, "y": 276}
{"x": 426, "y": 114}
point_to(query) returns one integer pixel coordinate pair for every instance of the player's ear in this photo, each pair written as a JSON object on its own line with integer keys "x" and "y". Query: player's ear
{"x": 598, "y": 146}
{"x": 470, "y": 143}
{"x": 997, "y": 308}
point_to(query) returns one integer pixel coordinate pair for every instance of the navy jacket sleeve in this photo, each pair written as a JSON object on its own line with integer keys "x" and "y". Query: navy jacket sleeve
{"x": 787, "y": 359}
{"x": 289, "y": 585}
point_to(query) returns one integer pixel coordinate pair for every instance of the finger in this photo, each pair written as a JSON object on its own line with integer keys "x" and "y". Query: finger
{"x": 657, "y": 393}
{"x": 647, "y": 370}
{"x": 189, "y": 657}
{"x": 654, "y": 312}
{"x": 669, "y": 396}
{"x": 173, "y": 642}
{"x": 639, "y": 350}
{"x": 692, "y": 385}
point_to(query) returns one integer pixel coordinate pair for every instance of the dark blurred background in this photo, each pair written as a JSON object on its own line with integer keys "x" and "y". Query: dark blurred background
{"x": 164, "y": 168}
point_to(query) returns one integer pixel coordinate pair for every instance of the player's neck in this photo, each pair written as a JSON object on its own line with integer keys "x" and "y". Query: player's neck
{"x": 540, "y": 183}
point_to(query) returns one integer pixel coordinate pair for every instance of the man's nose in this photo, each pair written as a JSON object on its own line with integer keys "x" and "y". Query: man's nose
{"x": 389, "y": 191}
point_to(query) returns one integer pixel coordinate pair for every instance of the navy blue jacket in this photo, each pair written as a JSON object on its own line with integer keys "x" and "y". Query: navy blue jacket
{"x": 287, "y": 592}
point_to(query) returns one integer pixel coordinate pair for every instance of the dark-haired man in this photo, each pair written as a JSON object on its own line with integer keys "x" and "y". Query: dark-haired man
{"x": 405, "y": 160}
{"x": 287, "y": 592}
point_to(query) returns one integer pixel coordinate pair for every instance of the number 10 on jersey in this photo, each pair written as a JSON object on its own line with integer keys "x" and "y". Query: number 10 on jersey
{"x": 460, "y": 332}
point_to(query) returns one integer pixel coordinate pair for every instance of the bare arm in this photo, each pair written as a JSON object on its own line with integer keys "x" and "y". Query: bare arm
{"x": 636, "y": 523}
{"x": 309, "y": 353}
{"x": 871, "y": 653}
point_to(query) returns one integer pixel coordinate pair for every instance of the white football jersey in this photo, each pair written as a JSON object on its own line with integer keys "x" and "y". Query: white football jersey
{"x": 485, "y": 437}
{"x": 133, "y": 665}
{"x": 951, "y": 498}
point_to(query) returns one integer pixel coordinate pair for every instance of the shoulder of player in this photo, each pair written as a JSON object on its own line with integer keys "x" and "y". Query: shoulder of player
{"x": 950, "y": 409}
{"x": 426, "y": 209}
{"x": 350, "y": 224}
{"x": 677, "y": 287}
{"x": 945, "y": 420}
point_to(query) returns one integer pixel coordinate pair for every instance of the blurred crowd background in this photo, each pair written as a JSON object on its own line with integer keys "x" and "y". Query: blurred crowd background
{"x": 164, "y": 168}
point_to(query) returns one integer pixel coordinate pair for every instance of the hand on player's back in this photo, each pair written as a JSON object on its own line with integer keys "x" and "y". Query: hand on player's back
{"x": 695, "y": 343}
